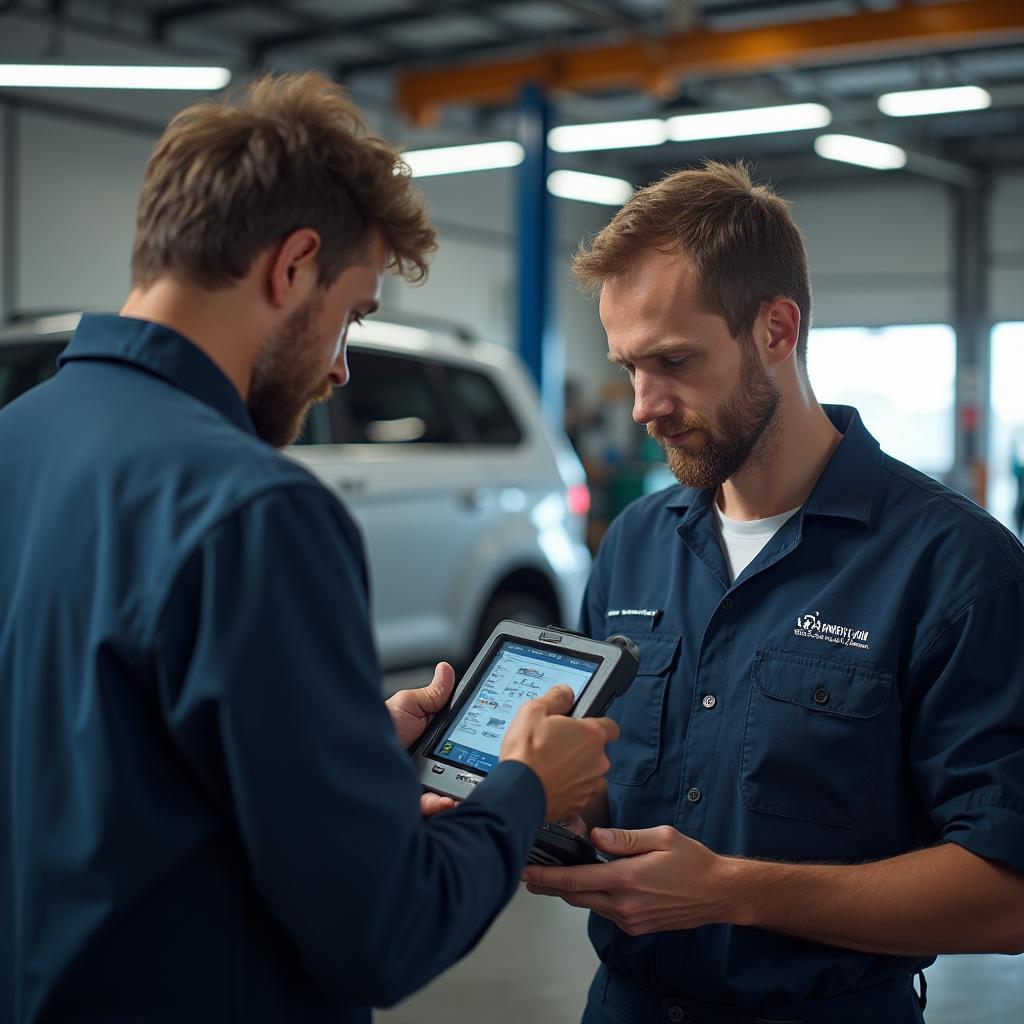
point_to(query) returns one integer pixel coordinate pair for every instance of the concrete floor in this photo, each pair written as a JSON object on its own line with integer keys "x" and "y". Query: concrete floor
{"x": 535, "y": 964}
{"x": 534, "y": 967}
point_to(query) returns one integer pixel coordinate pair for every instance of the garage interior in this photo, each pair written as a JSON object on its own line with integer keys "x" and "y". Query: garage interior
{"x": 917, "y": 262}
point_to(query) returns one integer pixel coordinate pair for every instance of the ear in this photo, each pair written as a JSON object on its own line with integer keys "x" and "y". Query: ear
{"x": 292, "y": 273}
{"x": 780, "y": 329}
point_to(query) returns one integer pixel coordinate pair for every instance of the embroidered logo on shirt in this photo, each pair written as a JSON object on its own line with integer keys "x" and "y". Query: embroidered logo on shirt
{"x": 813, "y": 628}
{"x": 649, "y": 613}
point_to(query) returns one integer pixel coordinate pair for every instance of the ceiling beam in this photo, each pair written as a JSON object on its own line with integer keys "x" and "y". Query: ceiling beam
{"x": 375, "y": 22}
{"x": 511, "y": 39}
{"x": 652, "y": 63}
{"x": 162, "y": 19}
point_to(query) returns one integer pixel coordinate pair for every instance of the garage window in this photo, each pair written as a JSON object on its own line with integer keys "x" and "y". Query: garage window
{"x": 1006, "y": 426}
{"x": 900, "y": 379}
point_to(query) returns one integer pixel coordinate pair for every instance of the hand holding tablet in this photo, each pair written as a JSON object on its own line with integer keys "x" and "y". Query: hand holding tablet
{"x": 531, "y": 695}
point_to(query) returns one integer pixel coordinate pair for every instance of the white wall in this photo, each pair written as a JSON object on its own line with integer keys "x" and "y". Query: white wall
{"x": 879, "y": 253}
{"x": 76, "y": 213}
{"x": 1006, "y": 229}
{"x": 883, "y": 254}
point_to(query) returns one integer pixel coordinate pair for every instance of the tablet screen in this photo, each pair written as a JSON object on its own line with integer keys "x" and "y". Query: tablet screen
{"x": 517, "y": 673}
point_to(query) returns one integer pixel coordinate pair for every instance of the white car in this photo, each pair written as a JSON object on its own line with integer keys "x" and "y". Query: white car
{"x": 473, "y": 510}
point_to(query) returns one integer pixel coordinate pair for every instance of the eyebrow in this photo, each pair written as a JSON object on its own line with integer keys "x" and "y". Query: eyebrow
{"x": 660, "y": 349}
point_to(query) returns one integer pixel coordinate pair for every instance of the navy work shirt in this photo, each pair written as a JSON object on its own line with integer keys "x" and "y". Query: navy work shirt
{"x": 206, "y": 814}
{"x": 856, "y": 693}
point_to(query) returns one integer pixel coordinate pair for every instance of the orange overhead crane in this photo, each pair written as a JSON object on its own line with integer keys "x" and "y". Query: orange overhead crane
{"x": 655, "y": 63}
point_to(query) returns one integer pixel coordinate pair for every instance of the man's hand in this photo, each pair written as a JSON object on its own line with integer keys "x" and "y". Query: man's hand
{"x": 434, "y": 803}
{"x": 412, "y": 710}
{"x": 567, "y": 754}
{"x": 664, "y": 881}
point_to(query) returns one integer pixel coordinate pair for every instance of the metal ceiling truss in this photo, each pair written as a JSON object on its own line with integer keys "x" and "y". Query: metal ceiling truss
{"x": 657, "y": 64}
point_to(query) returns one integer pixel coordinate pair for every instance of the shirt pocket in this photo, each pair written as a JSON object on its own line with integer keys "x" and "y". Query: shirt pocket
{"x": 812, "y": 739}
{"x": 634, "y": 755}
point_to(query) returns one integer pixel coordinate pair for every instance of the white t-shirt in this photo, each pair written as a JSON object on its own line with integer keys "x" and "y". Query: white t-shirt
{"x": 743, "y": 540}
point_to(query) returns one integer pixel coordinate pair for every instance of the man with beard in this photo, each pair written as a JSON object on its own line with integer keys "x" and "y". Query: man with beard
{"x": 208, "y": 814}
{"x": 820, "y": 780}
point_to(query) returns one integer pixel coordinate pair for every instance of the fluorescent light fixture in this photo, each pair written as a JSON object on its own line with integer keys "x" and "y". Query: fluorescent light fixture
{"x": 387, "y": 332}
{"x": 113, "y": 76}
{"x": 579, "y": 138}
{"x": 934, "y": 101}
{"x": 793, "y": 117}
{"x": 866, "y": 152}
{"x": 589, "y": 188}
{"x": 482, "y": 156}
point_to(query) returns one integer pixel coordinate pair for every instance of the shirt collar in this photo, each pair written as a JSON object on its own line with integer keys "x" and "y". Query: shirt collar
{"x": 162, "y": 351}
{"x": 845, "y": 488}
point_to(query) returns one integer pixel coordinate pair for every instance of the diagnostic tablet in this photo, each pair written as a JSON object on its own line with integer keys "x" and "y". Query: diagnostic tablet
{"x": 517, "y": 664}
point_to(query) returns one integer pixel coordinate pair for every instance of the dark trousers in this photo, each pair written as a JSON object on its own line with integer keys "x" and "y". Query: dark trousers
{"x": 616, "y": 999}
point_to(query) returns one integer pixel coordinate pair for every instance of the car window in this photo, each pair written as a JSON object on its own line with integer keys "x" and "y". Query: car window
{"x": 23, "y": 366}
{"x": 476, "y": 397}
{"x": 389, "y": 400}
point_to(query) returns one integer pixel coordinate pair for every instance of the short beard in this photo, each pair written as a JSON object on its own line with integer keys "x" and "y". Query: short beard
{"x": 743, "y": 421}
{"x": 284, "y": 383}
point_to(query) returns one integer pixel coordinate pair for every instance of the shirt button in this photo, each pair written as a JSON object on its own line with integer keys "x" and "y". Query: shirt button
{"x": 693, "y": 795}
{"x": 821, "y": 695}
{"x": 727, "y": 603}
{"x": 709, "y": 701}
{"x": 675, "y": 1014}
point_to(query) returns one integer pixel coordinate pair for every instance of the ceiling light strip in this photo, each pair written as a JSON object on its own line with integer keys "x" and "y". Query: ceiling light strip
{"x": 482, "y": 156}
{"x": 112, "y": 76}
{"x": 589, "y": 188}
{"x": 918, "y": 102}
{"x": 851, "y": 149}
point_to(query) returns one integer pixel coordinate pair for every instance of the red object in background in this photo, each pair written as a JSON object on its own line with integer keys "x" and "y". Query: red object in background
{"x": 577, "y": 498}
{"x": 970, "y": 417}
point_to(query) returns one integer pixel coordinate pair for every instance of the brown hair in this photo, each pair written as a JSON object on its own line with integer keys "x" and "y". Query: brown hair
{"x": 740, "y": 238}
{"x": 228, "y": 179}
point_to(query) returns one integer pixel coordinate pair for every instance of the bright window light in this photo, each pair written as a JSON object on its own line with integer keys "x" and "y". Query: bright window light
{"x": 934, "y": 101}
{"x": 1006, "y": 422}
{"x": 899, "y": 378}
{"x": 481, "y": 156}
{"x": 579, "y": 138}
{"x": 793, "y": 117}
{"x": 589, "y": 188}
{"x": 850, "y": 149}
{"x": 115, "y": 76}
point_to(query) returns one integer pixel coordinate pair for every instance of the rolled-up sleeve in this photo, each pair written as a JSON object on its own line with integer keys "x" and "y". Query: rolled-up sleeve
{"x": 966, "y": 741}
{"x": 270, "y": 687}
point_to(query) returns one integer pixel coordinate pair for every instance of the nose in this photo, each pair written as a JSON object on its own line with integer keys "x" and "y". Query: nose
{"x": 651, "y": 400}
{"x": 338, "y": 374}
